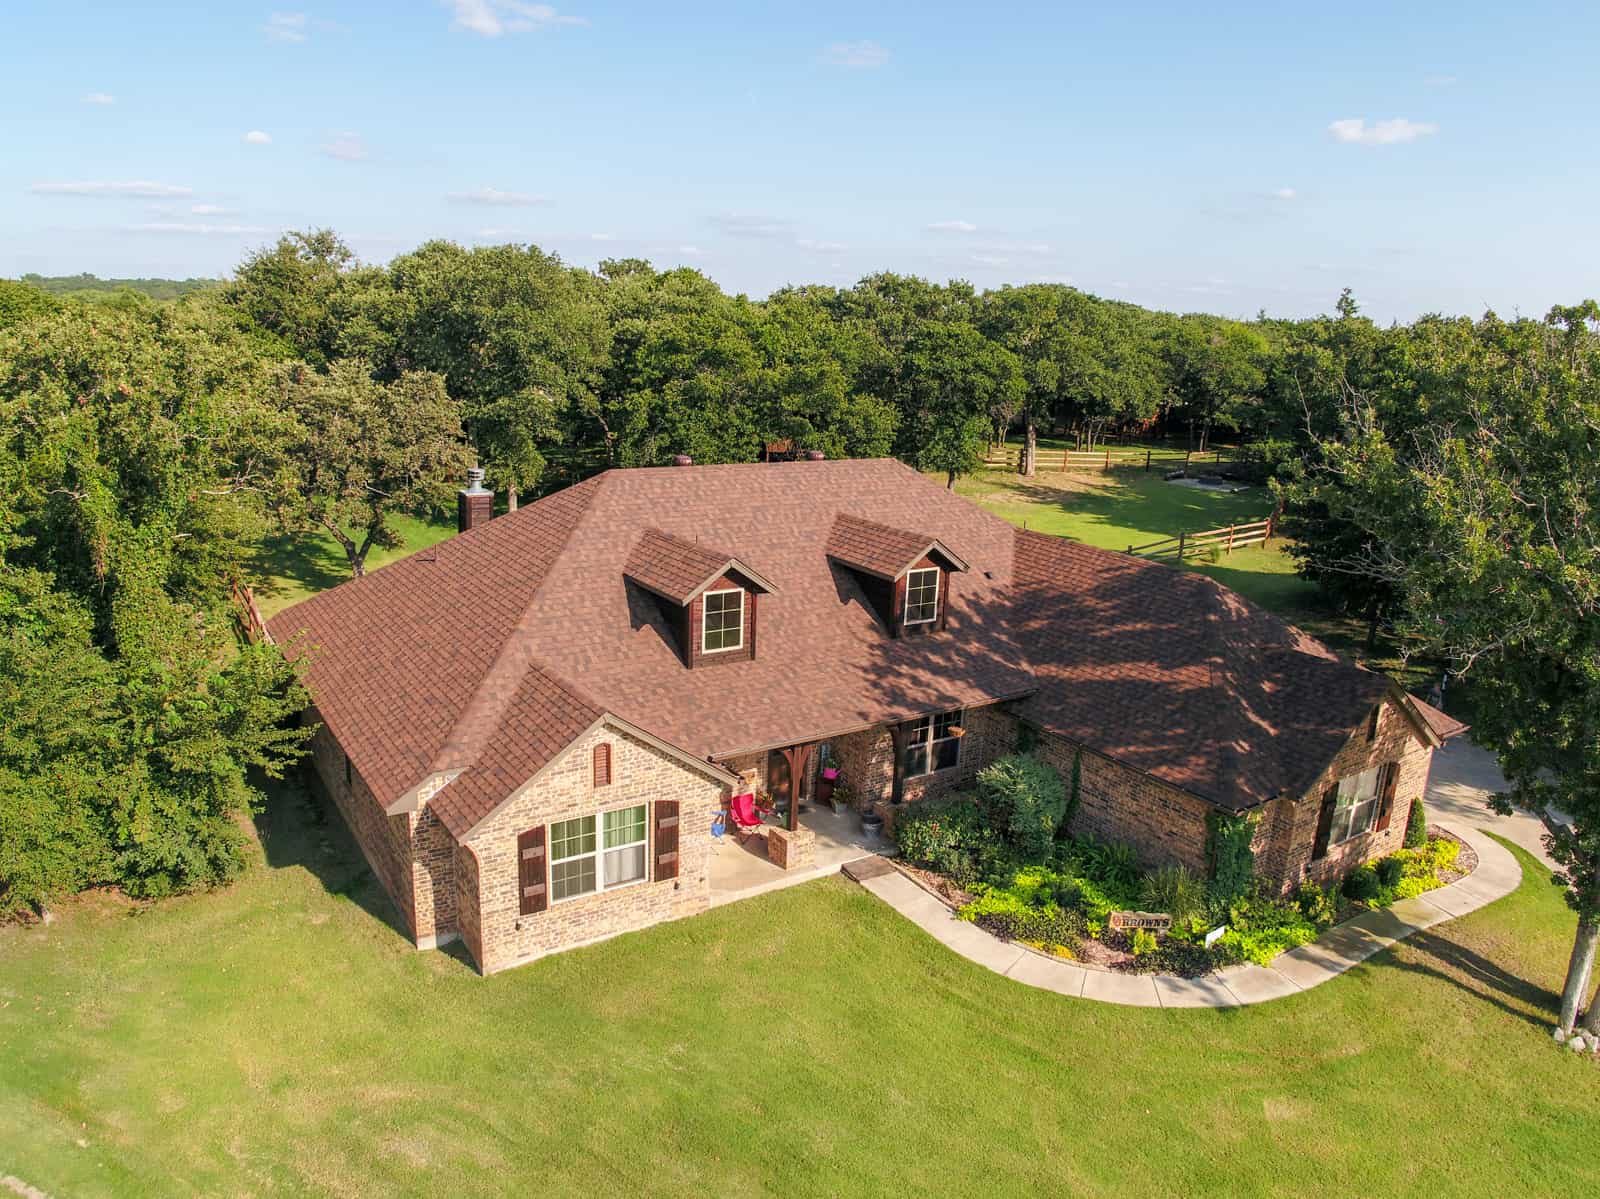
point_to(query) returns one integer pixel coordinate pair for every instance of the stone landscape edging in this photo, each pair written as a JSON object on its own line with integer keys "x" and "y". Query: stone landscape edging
{"x": 1295, "y": 970}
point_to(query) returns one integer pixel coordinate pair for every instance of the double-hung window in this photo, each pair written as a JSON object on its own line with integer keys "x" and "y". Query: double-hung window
{"x": 722, "y": 621}
{"x": 582, "y": 862}
{"x": 922, "y": 596}
{"x": 933, "y": 744}
{"x": 1356, "y": 808}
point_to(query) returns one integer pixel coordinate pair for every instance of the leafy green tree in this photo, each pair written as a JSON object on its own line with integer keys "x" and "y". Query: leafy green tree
{"x": 299, "y": 291}
{"x": 1218, "y": 373}
{"x": 361, "y": 452}
{"x": 136, "y": 459}
{"x": 21, "y": 302}
{"x": 1486, "y": 526}
{"x": 954, "y": 377}
{"x": 520, "y": 339}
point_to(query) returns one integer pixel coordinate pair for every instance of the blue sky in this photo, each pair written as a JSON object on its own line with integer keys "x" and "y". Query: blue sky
{"x": 1222, "y": 158}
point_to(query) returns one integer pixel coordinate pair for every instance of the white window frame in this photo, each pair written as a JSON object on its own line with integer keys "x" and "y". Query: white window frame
{"x": 705, "y": 612}
{"x": 598, "y": 853}
{"x": 930, "y": 743}
{"x": 1351, "y": 801}
{"x": 905, "y": 612}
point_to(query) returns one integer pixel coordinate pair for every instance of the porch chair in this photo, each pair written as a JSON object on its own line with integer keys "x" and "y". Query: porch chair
{"x": 742, "y": 815}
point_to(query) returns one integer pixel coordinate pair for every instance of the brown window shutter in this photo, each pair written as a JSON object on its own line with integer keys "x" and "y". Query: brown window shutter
{"x": 602, "y": 764}
{"x": 944, "y": 598}
{"x": 532, "y": 895}
{"x": 666, "y": 839}
{"x": 1391, "y": 775}
{"x": 1325, "y": 823}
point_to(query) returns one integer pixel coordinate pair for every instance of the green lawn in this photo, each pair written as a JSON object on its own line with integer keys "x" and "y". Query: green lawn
{"x": 280, "y": 1037}
{"x": 289, "y": 569}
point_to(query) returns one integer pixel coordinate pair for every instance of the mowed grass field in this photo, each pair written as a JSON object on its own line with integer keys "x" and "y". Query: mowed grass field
{"x": 280, "y": 1037}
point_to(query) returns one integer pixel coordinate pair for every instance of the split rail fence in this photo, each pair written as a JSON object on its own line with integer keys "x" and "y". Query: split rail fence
{"x": 1112, "y": 457}
{"x": 1203, "y": 544}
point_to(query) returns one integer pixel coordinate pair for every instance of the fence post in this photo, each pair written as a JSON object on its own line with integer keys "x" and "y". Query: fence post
{"x": 1219, "y": 458}
{"x": 1180, "y": 547}
{"x": 1186, "y": 454}
{"x": 1108, "y": 458}
{"x": 1147, "y": 462}
{"x": 1231, "y": 528}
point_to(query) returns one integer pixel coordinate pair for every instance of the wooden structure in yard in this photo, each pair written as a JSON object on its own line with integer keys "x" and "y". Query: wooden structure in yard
{"x": 1145, "y": 458}
{"x": 1198, "y": 545}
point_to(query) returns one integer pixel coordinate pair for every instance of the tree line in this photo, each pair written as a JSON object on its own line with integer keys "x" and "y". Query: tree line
{"x": 1437, "y": 479}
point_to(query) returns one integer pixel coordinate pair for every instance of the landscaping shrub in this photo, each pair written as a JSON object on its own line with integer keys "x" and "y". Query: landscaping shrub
{"x": 1169, "y": 956}
{"x": 1110, "y": 863}
{"x": 1172, "y": 889}
{"x": 1417, "y": 826}
{"x": 1260, "y": 929}
{"x": 1389, "y": 871}
{"x": 1233, "y": 863}
{"x": 1142, "y": 943}
{"x": 1025, "y": 801}
{"x": 953, "y": 837}
{"x": 1316, "y": 904}
{"x": 1362, "y": 884}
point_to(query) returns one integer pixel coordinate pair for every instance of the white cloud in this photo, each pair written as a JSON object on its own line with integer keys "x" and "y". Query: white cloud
{"x": 132, "y": 187}
{"x": 494, "y": 196}
{"x": 501, "y": 234}
{"x": 756, "y": 226}
{"x": 286, "y": 27}
{"x": 990, "y": 259}
{"x": 101, "y": 98}
{"x": 1284, "y": 193}
{"x": 1394, "y": 131}
{"x": 346, "y": 147}
{"x": 691, "y": 251}
{"x": 257, "y": 137}
{"x": 491, "y": 18}
{"x": 952, "y": 227}
{"x": 602, "y": 237}
{"x": 821, "y": 247}
{"x": 208, "y": 209}
{"x": 193, "y": 229}
{"x": 855, "y": 54}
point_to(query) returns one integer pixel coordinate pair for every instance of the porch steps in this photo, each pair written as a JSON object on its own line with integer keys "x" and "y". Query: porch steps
{"x": 871, "y": 866}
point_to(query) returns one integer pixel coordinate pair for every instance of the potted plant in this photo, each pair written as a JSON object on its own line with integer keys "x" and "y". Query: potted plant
{"x": 828, "y": 781}
{"x": 840, "y": 797}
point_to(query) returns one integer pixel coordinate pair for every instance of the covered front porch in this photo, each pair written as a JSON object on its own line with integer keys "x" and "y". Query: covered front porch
{"x": 741, "y": 869}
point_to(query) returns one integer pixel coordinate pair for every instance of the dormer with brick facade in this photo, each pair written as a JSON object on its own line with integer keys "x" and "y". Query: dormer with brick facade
{"x": 707, "y": 598}
{"x": 905, "y": 576}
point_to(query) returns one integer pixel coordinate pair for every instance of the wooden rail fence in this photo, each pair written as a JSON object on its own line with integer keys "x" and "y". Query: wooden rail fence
{"x": 1110, "y": 458}
{"x": 249, "y": 615}
{"x": 1203, "y": 544}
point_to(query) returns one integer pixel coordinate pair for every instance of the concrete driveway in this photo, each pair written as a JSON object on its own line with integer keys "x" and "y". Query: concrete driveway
{"x": 1463, "y": 777}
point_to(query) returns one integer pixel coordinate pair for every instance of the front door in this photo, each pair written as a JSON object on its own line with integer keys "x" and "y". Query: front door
{"x": 778, "y": 782}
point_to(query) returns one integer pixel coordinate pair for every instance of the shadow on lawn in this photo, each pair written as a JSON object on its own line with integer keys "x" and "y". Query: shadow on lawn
{"x": 1481, "y": 978}
{"x": 300, "y": 828}
{"x": 312, "y": 563}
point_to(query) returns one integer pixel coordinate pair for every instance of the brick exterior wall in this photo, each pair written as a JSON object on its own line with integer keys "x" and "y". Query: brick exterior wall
{"x": 1117, "y": 803}
{"x": 867, "y": 762}
{"x": 1286, "y": 836}
{"x": 640, "y": 774}
{"x": 385, "y": 841}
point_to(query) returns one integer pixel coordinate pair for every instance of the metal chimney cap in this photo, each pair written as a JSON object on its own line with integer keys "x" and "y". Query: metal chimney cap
{"x": 682, "y": 460}
{"x": 815, "y": 455}
{"x": 475, "y": 481}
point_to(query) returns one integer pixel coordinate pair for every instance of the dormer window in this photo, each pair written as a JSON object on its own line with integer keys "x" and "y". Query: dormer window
{"x": 722, "y": 622}
{"x": 922, "y": 596}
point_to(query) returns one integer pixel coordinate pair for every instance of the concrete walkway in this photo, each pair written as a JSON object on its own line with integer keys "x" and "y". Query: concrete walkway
{"x": 1462, "y": 778}
{"x": 1298, "y": 970}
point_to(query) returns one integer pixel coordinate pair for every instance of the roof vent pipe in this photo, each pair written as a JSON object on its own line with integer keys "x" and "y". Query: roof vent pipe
{"x": 682, "y": 460}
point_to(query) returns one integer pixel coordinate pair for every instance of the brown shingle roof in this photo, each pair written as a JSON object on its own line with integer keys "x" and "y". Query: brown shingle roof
{"x": 881, "y": 549}
{"x": 679, "y": 569}
{"x": 489, "y": 652}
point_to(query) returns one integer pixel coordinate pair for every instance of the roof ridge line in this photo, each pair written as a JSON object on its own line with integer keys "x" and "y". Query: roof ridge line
{"x": 483, "y": 711}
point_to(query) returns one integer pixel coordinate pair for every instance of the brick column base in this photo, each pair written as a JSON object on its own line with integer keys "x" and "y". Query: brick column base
{"x": 791, "y": 849}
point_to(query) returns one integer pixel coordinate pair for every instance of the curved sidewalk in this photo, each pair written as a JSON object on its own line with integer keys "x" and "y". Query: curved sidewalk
{"x": 1331, "y": 954}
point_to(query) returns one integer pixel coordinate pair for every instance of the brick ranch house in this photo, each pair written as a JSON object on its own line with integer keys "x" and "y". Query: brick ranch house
{"x": 530, "y": 727}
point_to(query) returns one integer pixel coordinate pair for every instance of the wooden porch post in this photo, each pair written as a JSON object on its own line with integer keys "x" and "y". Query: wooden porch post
{"x": 797, "y": 756}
